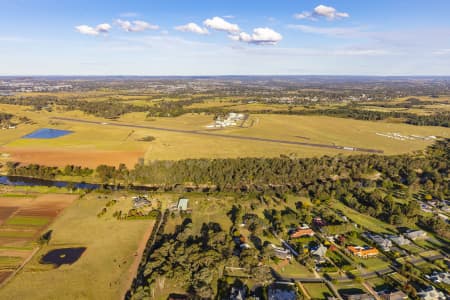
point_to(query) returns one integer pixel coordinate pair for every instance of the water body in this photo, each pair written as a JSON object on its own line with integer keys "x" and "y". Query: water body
{"x": 65, "y": 256}
{"x": 47, "y": 133}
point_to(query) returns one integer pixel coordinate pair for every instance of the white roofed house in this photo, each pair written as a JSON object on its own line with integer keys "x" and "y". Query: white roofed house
{"x": 182, "y": 204}
{"x": 400, "y": 240}
{"x": 319, "y": 251}
{"x": 431, "y": 293}
{"x": 281, "y": 253}
{"x": 383, "y": 243}
{"x": 416, "y": 234}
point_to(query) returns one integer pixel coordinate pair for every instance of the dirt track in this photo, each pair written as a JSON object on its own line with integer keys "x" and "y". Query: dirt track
{"x": 228, "y": 136}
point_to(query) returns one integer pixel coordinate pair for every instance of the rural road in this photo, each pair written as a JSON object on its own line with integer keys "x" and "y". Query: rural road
{"x": 228, "y": 136}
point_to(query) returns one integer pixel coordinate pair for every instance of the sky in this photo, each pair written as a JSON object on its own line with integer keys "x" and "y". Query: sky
{"x": 232, "y": 37}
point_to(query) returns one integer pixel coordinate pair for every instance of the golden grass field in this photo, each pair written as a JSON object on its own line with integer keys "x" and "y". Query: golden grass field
{"x": 92, "y": 144}
{"x": 104, "y": 271}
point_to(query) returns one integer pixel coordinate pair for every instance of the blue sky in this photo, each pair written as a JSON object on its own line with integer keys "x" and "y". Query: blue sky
{"x": 184, "y": 37}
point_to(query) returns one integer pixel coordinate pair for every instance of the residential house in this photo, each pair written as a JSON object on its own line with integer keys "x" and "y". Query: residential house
{"x": 319, "y": 251}
{"x": 439, "y": 277}
{"x": 301, "y": 232}
{"x": 281, "y": 253}
{"x": 317, "y": 221}
{"x": 400, "y": 240}
{"x": 237, "y": 293}
{"x": 183, "y": 204}
{"x": 383, "y": 243}
{"x": 431, "y": 293}
{"x": 416, "y": 234}
{"x": 140, "y": 201}
{"x": 363, "y": 252}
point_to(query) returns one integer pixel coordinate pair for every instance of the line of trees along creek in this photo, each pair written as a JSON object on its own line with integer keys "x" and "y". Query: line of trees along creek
{"x": 367, "y": 183}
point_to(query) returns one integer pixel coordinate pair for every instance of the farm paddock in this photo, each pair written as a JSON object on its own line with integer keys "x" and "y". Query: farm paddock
{"x": 23, "y": 219}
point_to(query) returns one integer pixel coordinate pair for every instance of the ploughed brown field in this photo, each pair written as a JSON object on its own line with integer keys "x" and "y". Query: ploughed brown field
{"x": 61, "y": 158}
{"x": 22, "y": 221}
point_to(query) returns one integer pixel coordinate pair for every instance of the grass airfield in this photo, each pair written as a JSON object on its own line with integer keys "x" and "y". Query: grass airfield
{"x": 94, "y": 144}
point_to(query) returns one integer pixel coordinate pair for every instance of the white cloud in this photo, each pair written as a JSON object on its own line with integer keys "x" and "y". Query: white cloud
{"x": 192, "y": 27}
{"x": 94, "y": 31}
{"x": 304, "y": 15}
{"x": 260, "y": 36}
{"x": 217, "y": 23}
{"x": 103, "y": 28}
{"x": 330, "y": 31}
{"x": 321, "y": 10}
{"x": 135, "y": 26}
{"x": 329, "y": 12}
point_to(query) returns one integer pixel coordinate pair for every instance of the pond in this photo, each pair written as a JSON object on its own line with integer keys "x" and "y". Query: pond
{"x": 47, "y": 133}
{"x": 64, "y": 256}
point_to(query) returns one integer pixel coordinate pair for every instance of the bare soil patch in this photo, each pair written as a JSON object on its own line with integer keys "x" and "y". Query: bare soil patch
{"x": 46, "y": 205}
{"x": 6, "y": 212}
{"x": 85, "y": 158}
{"x": 4, "y": 275}
{"x": 15, "y": 253}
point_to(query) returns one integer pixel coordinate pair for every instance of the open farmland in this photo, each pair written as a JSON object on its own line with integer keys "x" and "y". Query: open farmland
{"x": 22, "y": 220}
{"x": 186, "y": 136}
{"x": 106, "y": 264}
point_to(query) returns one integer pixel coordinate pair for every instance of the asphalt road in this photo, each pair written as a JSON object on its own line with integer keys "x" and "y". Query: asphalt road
{"x": 227, "y": 136}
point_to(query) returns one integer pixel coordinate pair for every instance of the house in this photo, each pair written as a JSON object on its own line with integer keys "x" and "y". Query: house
{"x": 439, "y": 277}
{"x": 400, "y": 240}
{"x": 302, "y": 231}
{"x": 183, "y": 204}
{"x": 317, "y": 221}
{"x": 237, "y": 294}
{"x": 319, "y": 251}
{"x": 281, "y": 253}
{"x": 363, "y": 252}
{"x": 141, "y": 201}
{"x": 394, "y": 295}
{"x": 381, "y": 242}
{"x": 431, "y": 293}
{"x": 416, "y": 234}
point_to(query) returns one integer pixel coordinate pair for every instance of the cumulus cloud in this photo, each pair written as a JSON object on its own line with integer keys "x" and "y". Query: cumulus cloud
{"x": 260, "y": 36}
{"x": 94, "y": 31}
{"x": 135, "y": 26}
{"x": 328, "y": 12}
{"x": 217, "y": 23}
{"x": 192, "y": 27}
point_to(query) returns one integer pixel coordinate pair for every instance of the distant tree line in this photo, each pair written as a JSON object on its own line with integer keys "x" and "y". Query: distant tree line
{"x": 109, "y": 109}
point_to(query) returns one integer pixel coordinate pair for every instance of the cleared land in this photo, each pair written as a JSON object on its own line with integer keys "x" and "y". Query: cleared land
{"x": 22, "y": 221}
{"x": 103, "y": 270}
{"x": 270, "y": 135}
